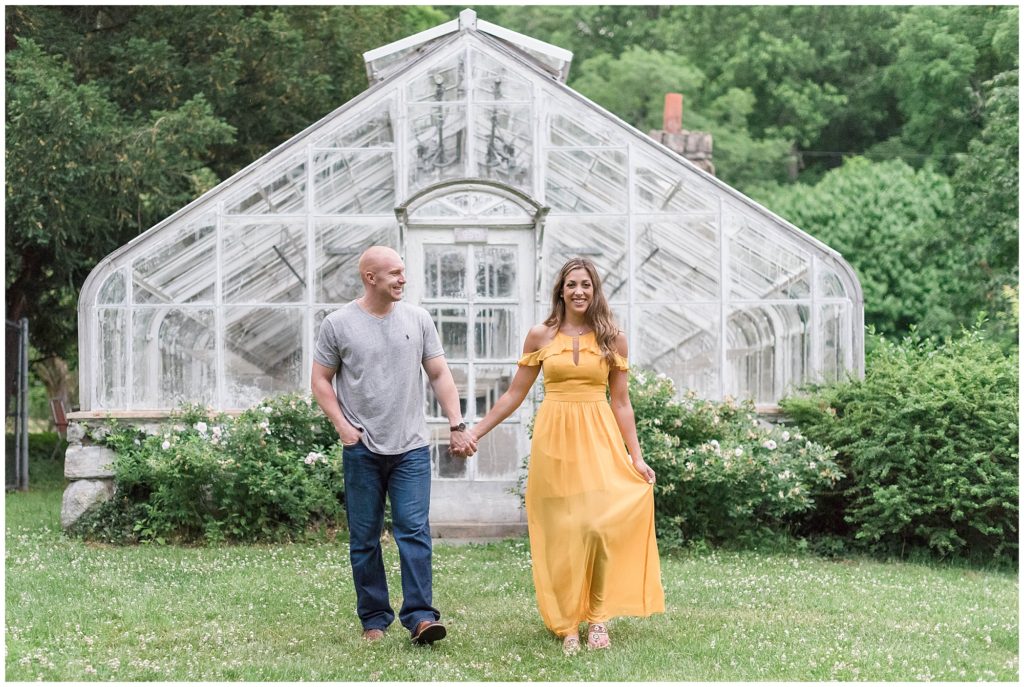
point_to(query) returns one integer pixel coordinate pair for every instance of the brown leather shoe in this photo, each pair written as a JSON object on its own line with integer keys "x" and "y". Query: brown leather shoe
{"x": 373, "y": 635}
{"x": 428, "y": 632}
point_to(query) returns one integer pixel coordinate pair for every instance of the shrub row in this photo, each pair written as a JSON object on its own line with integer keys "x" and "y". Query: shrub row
{"x": 928, "y": 441}
{"x": 271, "y": 473}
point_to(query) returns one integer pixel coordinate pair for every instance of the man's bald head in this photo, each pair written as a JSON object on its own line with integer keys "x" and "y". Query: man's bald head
{"x": 376, "y": 259}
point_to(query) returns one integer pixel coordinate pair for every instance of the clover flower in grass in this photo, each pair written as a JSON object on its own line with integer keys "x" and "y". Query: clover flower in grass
{"x": 166, "y": 445}
{"x": 738, "y": 451}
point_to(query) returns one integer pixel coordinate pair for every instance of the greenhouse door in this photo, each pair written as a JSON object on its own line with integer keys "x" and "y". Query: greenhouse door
{"x": 477, "y": 284}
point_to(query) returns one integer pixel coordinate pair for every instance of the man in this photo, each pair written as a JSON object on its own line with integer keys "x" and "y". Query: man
{"x": 374, "y": 349}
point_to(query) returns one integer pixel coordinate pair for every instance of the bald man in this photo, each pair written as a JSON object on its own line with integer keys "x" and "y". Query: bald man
{"x": 367, "y": 376}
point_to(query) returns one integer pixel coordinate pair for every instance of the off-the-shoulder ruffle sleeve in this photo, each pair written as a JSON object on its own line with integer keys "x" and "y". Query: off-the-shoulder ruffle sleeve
{"x": 532, "y": 359}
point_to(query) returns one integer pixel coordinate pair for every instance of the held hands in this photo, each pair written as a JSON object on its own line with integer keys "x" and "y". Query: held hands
{"x": 462, "y": 444}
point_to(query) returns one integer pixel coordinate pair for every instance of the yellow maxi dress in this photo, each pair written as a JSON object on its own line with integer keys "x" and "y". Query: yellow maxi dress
{"x": 590, "y": 514}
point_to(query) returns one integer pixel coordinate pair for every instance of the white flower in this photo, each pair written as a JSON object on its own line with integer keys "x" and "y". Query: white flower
{"x": 738, "y": 451}
{"x": 166, "y": 445}
{"x": 200, "y": 427}
{"x": 266, "y": 409}
{"x": 313, "y": 457}
{"x": 770, "y": 445}
{"x": 785, "y": 436}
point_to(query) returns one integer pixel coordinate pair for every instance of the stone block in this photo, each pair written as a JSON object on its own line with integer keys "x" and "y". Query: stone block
{"x": 88, "y": 462}
{"x": 80, "y": 496}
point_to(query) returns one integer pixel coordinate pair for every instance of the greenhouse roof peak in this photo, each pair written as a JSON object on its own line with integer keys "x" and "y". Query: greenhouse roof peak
{"x": 384, "y": 61}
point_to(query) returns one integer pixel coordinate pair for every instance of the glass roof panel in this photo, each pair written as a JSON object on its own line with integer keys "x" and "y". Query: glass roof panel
{"x": 279, "y": 190}
{"x": 762, "y": 263}
{"x": 664, "y": 188}
{"x": 503, "y": 144}
{"x": 338, "y": 247}
{"x": 180, "y": 270}
{"x": 353, "y": 183}
{"x": 494, "y": 81}
{"x": 444, "y": 81}
{"x": 586, "y": 181}
{"x": 830, "y": 283}
{"x": 678, "y": 259}
{"x": 264, "y": 262}
{"x": 573, "y": 125}
{"x": 601, "y": 240}
{"x": 371, "y": 128}
{"x": 113, "y": 291}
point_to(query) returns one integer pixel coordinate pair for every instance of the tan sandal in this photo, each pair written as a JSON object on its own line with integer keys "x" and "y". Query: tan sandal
{"x": 597, "y": 636}
{"x": 571, "y": 645}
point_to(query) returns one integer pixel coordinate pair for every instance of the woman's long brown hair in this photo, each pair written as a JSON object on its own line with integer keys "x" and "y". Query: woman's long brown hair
{"x": 599, "y": 314}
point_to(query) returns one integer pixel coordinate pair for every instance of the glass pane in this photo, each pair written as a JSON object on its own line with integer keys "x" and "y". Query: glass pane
{"x": 445, "y": 464}
{"x": 495, "y": 271}
{"x": 836, "y": 339}
{"x": 470, "y": 206}
{"x": 497, "y": 333}
{"x": 460, "y": 373}
{"x": 338, "y": 247}
{"x": 281, "y": 190}
{"x": 367, "y": 129}
{"x": 830, "y": 283}
{"x": 491, "y": 382}
{"x": 453, "y": 328}
{"x": 113, "y": 291}
{"x": 660, "y": 188}
{"x": 768, "y": 350}
{"x": 437, "y": 143}
{"x": 181, "y": 270}
{"x": 586, "y": 181}
{"x": 602, "y": 241}
{"x": 264, "y": 263}
{"x": 263, "y": 353}
{"x": 354, "y": 183}
{"x": 111, "y": 370}
{"x": 174, "y": 352}
{"x": 444, "y": 272}
{"x": 503, "y": 144}
{"x": 677, "y": 259}
{"x": 574, "y": 125}
{"x": 681, "y": 342}
{"x": 500, "y": 453}
{"x": 762, "y": 264}
{"x": 493, "y": 82}
{"x": 443, "y": 82}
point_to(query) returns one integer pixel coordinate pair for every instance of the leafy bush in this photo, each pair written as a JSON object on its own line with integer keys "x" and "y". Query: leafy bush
{"x": 929, "y": 441}
{"x": 270, "y": 473}
{"x": 723, "y": 475}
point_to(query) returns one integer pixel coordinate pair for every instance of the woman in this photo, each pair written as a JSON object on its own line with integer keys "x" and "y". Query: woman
{"x": 589, "y": 493}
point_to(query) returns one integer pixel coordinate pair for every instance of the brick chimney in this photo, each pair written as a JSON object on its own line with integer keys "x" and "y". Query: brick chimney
{"x": 695, "y": 146}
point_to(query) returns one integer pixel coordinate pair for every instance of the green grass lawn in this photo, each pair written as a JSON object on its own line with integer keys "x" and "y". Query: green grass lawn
{"x": 287, "y": 612}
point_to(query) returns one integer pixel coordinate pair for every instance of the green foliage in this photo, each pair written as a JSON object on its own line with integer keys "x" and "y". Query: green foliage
{"x": 268, "y": 474}
{"x": 888, "y": 221}
{"x": 929, "y": 440}
{"x": 987, "y": 198}
{"x": 945, "y": 55}
{"x": 723, "y": 475}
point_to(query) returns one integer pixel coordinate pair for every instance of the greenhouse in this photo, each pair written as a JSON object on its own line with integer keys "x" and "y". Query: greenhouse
{"x": 470, "y": 155}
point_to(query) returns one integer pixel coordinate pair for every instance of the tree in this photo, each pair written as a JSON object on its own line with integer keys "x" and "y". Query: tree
{"x": 82, "y": 180}
{"x": 891, "y": 223}
{"x": 986, "y": 195}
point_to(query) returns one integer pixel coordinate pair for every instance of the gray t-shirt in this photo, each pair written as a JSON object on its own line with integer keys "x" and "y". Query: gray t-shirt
{"x": 380, "y": 378}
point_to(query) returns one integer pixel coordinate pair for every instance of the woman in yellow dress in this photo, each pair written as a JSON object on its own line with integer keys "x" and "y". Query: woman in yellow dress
{"x": 589, "y": 493}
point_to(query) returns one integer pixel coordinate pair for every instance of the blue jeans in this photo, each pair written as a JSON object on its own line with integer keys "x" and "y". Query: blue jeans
{"x": 405, "y": 479}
